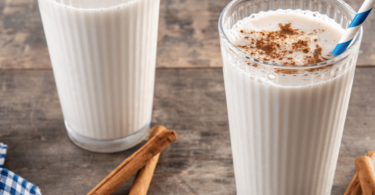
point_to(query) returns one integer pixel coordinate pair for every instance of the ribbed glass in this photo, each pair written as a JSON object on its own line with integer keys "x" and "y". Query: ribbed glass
{"x": 103, "y": 55}
{"x": 286, "y": 122}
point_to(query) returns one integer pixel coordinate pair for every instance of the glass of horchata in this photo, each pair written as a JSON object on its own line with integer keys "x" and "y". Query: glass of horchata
{"x": 287, "y": 96}
{"x": 103, "y": 55}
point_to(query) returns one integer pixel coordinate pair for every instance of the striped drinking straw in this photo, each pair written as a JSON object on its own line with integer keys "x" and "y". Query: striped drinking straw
{"x": 354, "y": 27}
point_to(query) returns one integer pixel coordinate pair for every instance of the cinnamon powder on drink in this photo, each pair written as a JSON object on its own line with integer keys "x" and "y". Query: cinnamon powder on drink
{"x": 281, "y": 44}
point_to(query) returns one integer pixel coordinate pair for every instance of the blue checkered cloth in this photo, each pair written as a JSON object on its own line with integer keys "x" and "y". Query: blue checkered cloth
{"x": 12, "y": 184}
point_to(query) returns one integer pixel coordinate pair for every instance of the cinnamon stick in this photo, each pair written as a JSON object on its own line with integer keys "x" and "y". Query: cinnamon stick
{"x": 135, "y": 162}
{"x": 366, "y": 174}
{"x": 354, "y": 187}
{"x": 143, "y": 179}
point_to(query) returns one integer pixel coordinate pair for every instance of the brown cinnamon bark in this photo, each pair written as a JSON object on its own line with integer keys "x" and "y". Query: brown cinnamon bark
{"x": 135, "y": 162}
{"x": 354, "y": 187}
{"x": 366, "y": 174}
{"x": 144, "y": 177}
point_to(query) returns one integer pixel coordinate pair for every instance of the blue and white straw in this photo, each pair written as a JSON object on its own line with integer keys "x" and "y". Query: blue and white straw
{"x": 354, "y": 27}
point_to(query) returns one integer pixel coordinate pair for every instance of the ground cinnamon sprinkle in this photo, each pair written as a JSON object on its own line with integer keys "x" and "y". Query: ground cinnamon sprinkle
{"x": 286, "y": 29}
{"x": 281, "y": 45}
{"x": 267, "y": 47}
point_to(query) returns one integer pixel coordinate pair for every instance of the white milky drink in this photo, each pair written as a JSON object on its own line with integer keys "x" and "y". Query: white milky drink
{"x": 286, "y": 117}
{"x": 103, "y": 55}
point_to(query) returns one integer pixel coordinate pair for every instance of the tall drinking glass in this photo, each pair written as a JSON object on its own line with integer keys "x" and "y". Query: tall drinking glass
{"x": 286, "y": 122}
{"x": 103, "y": 55}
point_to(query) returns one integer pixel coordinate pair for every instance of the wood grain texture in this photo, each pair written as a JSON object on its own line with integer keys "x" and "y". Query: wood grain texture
{"x": 22, "y": 41}
{"x": 192, "y": 102}
{"x": 188, "y": 35}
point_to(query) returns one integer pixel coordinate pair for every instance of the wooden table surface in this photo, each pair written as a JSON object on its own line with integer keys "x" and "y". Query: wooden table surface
{"x": 188, "y": 99}
{"x": 188, "y": 35}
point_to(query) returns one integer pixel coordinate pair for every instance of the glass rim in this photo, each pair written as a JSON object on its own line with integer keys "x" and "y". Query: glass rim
{"x": 353, "y": 46}
{"x": 115, "y": 6}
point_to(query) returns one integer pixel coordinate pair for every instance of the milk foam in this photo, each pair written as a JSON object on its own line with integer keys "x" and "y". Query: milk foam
{"x": 317, "y": 30}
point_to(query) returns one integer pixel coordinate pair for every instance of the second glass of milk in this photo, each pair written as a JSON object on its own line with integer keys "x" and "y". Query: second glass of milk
{"x": 286, "y": 121}
{"x": 103, "y": 55}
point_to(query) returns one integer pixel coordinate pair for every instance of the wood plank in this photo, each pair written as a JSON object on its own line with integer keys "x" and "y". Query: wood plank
{"x": 188, "y": 35}
{"x": 31, "y": 124}
{"x": 192, "y": 102}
